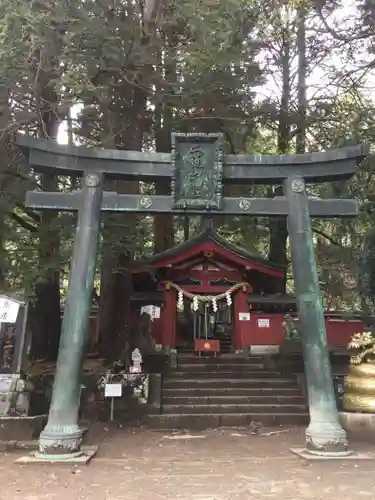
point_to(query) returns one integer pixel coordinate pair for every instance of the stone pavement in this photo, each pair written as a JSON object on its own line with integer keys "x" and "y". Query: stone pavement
{"x": 224, "y": 464}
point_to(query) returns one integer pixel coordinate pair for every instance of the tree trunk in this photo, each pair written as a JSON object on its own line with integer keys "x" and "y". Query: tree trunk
{"x": 163, "y": 223}
{"x": 47, "y": 292}
{"x": 186, "y": 225}
{"x": 116, "y": 276}
{"x": 302, "y": 70}
{"x": 278, "y": 225}
{"x": 4, "y": 122}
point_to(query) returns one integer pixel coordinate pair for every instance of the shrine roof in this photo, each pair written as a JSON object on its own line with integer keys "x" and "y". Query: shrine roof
{"x": 233, "y": 252}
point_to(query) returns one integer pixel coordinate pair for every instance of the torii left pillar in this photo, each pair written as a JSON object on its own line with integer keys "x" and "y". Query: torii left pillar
{"x": 61, "y": 439}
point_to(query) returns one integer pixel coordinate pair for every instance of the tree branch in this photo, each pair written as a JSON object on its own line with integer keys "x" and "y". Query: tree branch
{"x": 30, "y": 213}
{"x": 327, "y": 237}
{"x": 339, "y": 36}
{"x": 22, "y": 222}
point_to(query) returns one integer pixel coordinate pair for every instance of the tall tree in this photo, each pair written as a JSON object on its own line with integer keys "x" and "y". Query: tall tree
{"x": 277, "y": 225}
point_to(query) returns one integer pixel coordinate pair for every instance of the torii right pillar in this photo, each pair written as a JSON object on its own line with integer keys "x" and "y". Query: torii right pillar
{"x": 324, "y": 436}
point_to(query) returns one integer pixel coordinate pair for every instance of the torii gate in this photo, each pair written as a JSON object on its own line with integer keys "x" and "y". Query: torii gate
{"x": 197, "y": 169}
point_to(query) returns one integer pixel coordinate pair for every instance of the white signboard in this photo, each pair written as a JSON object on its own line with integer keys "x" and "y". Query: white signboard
{"x": 152, "y": 311}
{"x": 155, "y": 312}
{"x": 8, "y": 310}
{"x": 113, "y": 390}
{"x": 5, "y": 383}
{"x": 244, "y": 316}
{"x": 263, "y": 323}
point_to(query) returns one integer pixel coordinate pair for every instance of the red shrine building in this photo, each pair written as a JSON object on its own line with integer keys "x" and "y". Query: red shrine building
{"x": 214, "y": 292}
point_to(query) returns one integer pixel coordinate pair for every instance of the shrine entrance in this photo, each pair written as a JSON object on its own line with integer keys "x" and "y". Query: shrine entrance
{"x": 197, "y": 168}
{"x": 205, "y": 324}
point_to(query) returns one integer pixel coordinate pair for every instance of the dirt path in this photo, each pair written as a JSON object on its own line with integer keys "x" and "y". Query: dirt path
{"x": 139, "y": 464}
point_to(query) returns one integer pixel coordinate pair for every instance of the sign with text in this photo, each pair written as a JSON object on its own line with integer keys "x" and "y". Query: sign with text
{"x": 152, "y": 311}
{"x": 263, "y": 323}
{"x": 8, "y": 310}
{"x": 197, "y": 171}
{"x": 244, "y": 316}
{"x": 5, "y": 383}
{"x": 113, "y": 390}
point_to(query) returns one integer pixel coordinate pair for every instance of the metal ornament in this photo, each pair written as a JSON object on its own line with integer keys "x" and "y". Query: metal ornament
{"x": 244, "y": 204}
{"x": 298, "y": 185}
{"x": 146, "y": 202}
{"x": 92, "y": 180}
{"x": 359, "y": 391}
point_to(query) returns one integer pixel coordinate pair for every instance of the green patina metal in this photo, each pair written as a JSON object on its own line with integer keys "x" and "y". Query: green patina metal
{"x": 114, "y": 202}
{"x": 62, "y": 435}
{"x": 197, "y": 170}
{"x": 135, "y": 165}
{"x": 324, "y": 433}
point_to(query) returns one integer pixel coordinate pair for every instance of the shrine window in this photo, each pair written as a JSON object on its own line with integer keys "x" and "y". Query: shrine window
{"x": 222, "y": 282}
{"x": 187, "y": 281}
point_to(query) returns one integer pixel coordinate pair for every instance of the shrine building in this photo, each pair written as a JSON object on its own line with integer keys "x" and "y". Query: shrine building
{"x": 214, "y": 295}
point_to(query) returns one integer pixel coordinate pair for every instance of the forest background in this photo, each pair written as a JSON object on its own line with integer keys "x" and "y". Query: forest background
{"x": 274, "y": 77}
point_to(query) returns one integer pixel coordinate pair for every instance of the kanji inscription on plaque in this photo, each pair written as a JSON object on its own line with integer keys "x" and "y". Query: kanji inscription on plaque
{"x": 197, "y": 171}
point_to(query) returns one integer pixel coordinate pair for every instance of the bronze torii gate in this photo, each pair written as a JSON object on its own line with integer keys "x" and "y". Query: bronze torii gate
{"x": 198, "y": 170}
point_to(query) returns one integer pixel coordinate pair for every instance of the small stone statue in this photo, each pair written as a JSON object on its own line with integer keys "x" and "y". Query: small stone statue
{"x": 291, "y": 331}
{"x": 137, "y": 361}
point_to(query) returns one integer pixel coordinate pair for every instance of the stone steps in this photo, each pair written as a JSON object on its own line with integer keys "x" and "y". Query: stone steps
{"x": 242, "y": 392}
{"x": 220, "y": 383}
{"x": 227, "y": 374}
{"x": 205, "y": 392}
{"x": 203, "y": 421}
{"x": 192, "y": 359}
{"x": 230, "y": 408}
{"x": 208, "y": 367}
{"x": 231, "y": 400}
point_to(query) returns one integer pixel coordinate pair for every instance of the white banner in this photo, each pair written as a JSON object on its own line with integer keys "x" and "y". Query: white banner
{"x": 8, "y": 310}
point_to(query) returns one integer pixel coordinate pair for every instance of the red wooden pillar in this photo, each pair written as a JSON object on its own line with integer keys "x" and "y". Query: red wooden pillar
{"x": 240, "y": 306}
{"x": 169, "y": 317}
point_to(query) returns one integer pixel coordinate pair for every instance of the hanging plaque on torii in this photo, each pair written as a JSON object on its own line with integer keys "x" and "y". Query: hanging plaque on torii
{"x": 197, "y": 163}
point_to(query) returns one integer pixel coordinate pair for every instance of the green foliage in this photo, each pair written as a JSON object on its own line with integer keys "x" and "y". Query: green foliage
{"x": 367, "y": 274}
{"x": 210, "y": 66}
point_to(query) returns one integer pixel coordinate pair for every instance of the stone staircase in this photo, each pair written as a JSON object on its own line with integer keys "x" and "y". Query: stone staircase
{"x": 209, "y": 392}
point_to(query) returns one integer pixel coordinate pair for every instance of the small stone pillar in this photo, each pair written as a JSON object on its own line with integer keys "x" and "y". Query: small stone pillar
{"x": 61, "y": 438}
